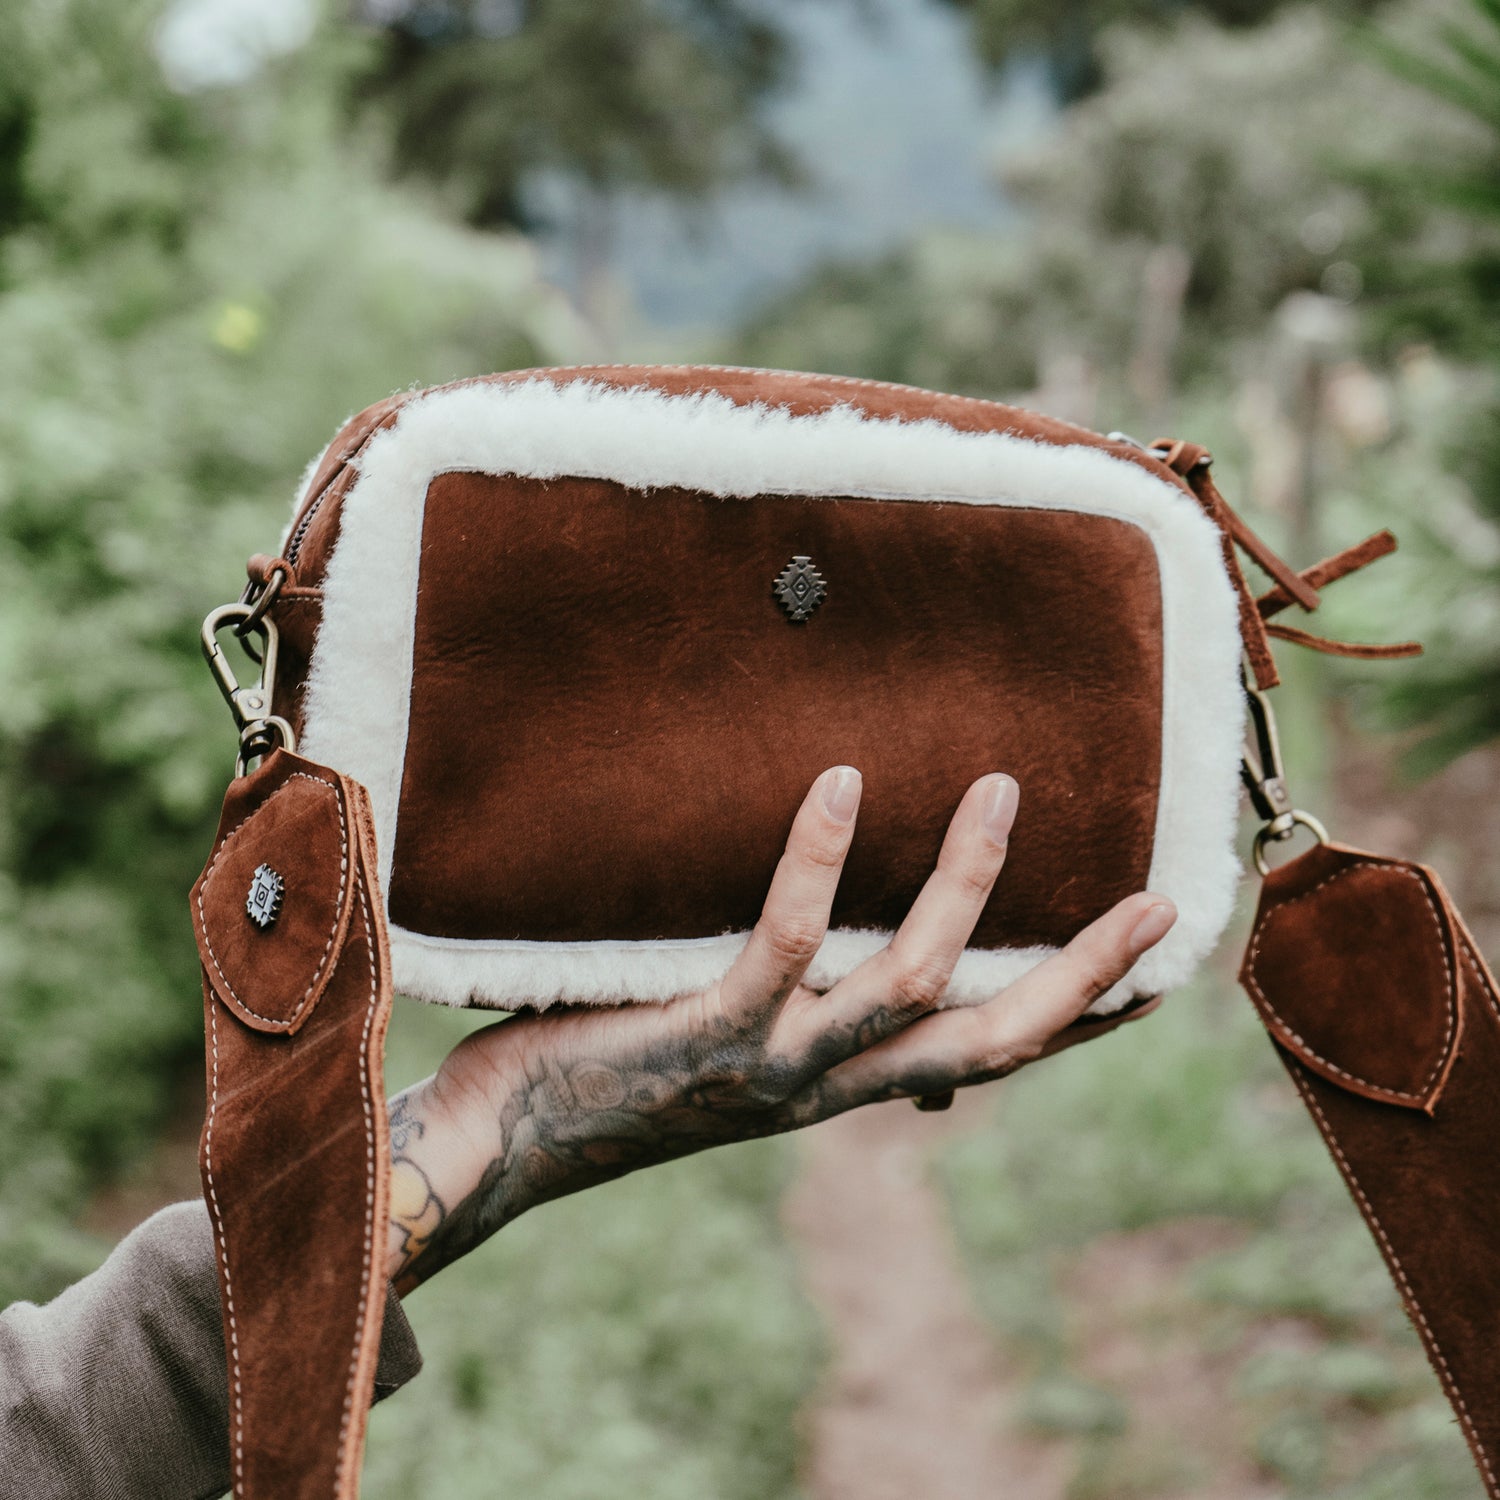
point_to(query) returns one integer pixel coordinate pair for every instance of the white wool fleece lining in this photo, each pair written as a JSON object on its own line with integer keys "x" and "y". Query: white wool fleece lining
{"x": 359, "y": 684}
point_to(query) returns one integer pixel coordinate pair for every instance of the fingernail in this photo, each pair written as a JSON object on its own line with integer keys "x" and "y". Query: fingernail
{"x": 841, "y": 789}
{"x": 1000, "y": 804}
{"x": 1153, "y": 926}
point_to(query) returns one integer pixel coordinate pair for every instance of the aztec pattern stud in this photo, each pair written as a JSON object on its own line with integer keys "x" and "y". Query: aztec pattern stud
{"x": 799, "y": 589}
{"x": 263, "y": 904}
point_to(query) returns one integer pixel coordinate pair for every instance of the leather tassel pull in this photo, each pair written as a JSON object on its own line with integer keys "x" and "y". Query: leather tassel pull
{"x": 1388, "y": 1021}
{"x": 295, "y": 1153}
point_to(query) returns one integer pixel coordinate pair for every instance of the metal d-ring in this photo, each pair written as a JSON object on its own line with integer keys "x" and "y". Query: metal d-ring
{"x": 1264, "y": 776}
{"x": 258, "y": 604}
{"x": 260, "y": 739}
{"x": 1282, "y": 827}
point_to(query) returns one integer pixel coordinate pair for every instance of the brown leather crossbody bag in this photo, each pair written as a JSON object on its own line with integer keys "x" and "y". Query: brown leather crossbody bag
{"x": 520, "y": 735}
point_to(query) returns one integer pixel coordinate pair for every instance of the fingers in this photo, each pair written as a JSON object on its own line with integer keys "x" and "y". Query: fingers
{"x": 795, "y": 916}
{"x": 954, "y": 1048}
{"x": 1060, "y": 989}
{"x": 1086, "y": 1027}
{"x": 907, "y": 978}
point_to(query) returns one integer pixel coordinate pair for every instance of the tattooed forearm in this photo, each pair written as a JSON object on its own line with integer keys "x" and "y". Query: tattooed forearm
{"x": 564, "y": 1118}
{"x": 417, "y": 1212}
{"x": 567, "y": 1122}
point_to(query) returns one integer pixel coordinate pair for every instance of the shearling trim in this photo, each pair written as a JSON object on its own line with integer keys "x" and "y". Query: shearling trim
{"x": 437, "y": 968}
{"x": 358, "y": 693}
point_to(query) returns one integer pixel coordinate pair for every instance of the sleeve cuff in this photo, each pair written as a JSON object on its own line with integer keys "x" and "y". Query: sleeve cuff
{"x": 400, "y": 1359}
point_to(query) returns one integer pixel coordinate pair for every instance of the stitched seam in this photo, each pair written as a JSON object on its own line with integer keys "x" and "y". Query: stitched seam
{"x": 1394, "y": 1262}
{"x": 1479, "y": 969}
{"x": 290, "y": 1021}
{"x": 1451, "y": 1004}
{"x": 364, "y": 1284}
{"x": 213, "y": 1203}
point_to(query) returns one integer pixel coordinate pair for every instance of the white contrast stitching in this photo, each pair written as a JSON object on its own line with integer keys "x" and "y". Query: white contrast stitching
{"x": 290, "y": 1021}
{"x": 1478, "y": 965}
{"x": 1398, "y": 1271}
{"x": 1451, "y": 1001}
{"x": 364, "y": 1284}
{"x": 213, "y": 1203}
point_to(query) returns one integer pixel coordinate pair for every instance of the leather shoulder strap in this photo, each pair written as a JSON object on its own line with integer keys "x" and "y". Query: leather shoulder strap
{"x": 294, "y": 1153}
{"x": 1388, "y": 1022}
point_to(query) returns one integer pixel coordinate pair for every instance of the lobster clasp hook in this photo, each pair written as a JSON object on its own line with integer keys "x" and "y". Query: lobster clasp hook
{"x": 1263, "y": 772}
{"x": 1265, "y": 779}
{"x": 261, "y": 729}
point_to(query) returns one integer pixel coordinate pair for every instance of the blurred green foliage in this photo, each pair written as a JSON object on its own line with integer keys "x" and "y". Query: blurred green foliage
{"x": 194, "y": 291}
{"x": 1444, "y": 213}
{"x": 1068, "y": 35}
{"x": 1164, "y": 1190}
{"x": 1210, "y": 177}
{"x": 636, "y": 94}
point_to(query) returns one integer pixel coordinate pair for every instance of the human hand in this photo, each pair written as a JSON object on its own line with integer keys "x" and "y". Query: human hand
{"x": 546, "y": 1103}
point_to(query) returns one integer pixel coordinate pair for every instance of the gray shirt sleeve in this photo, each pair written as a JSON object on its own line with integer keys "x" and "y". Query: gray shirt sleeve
{"x": 116, "y": 1388}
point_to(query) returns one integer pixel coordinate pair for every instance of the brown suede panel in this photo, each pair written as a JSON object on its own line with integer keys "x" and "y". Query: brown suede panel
{"x": 272, "y": 977}
{"x": 1383, "y": 1018}
{"x": 1428, "y": 1185}
{"x": 294, "y": 1159}
{"x": 606, "y": 697}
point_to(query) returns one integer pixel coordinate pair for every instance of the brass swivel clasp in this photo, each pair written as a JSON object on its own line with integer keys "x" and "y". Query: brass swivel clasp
{"x": 261, "y": 730}
{"x": 1264, "y": 776}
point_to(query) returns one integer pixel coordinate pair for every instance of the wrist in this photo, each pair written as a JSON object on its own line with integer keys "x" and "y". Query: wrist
{"x": 449, "y": 1189}
{"x": 437, "y": 1159}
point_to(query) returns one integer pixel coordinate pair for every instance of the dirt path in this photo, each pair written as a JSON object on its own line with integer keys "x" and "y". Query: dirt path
{"x": 916, "y": 1399}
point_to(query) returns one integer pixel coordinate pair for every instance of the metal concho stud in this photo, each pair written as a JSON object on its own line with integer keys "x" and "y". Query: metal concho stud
{"x": 799, "y": 588}
{"x": 263, "y": 904}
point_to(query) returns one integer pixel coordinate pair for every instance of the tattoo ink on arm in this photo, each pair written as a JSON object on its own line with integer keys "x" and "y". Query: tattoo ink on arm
{"x": 417, "y": 1212}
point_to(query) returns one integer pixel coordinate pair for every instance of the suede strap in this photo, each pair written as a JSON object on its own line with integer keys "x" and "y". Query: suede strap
{"x": 1193, "y": 464}
{"x": 1329, "y": 570}
{"x": 1358, "y": 650}
{"x": 1388, "y": 1022}
{"x": 295, "y": 1154}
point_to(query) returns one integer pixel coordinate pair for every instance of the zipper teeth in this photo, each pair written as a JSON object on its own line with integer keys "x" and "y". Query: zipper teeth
{"x": 294, "y": 546}
{"x": 315, "y": 504}
{"x": 299, "y": 532}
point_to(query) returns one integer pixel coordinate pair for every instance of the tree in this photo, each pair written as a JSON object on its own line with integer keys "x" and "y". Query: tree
{"x": 1433, "y": 269}
{"x": 660, "y": 94}
{"x": 1068, "y": 35}
{"x": 1213, "y": 167}
{"x": 194, "y": 291}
